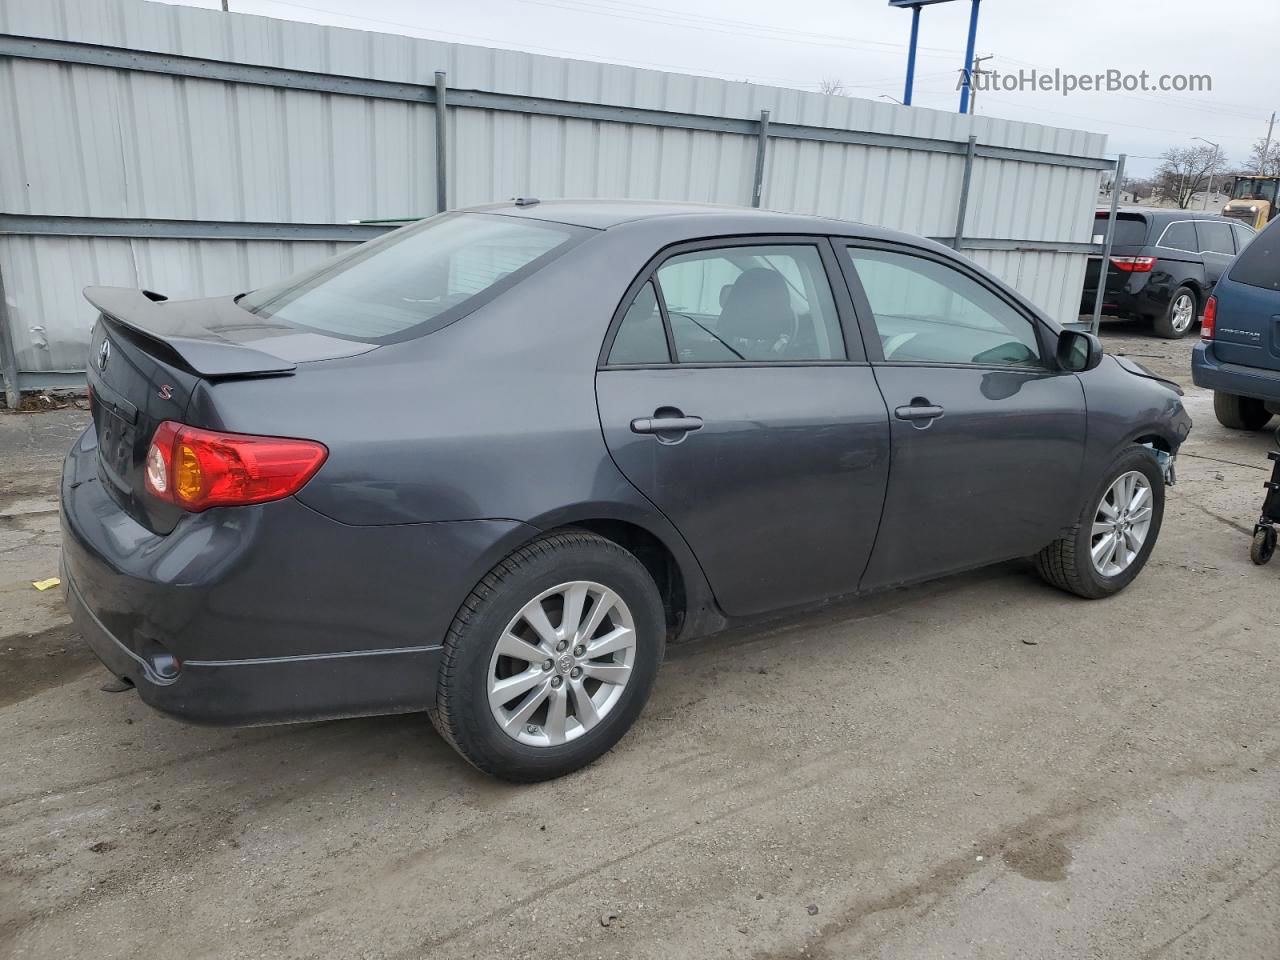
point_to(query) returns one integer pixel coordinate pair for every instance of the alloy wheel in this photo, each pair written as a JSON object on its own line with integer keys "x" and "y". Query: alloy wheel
{"x": 562, "y": 664}
{"x": 1121, "y": 524}
{"x": 1184, "y": 312}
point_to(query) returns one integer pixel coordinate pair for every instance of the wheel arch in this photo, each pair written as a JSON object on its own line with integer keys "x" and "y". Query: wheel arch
{"x": 690, "y": 607}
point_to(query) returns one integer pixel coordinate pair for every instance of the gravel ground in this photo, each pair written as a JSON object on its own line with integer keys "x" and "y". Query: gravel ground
{"x": 978, "y": 767}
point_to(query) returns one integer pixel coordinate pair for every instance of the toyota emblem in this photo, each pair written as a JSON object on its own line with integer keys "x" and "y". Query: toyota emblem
{"x": 104, "y": 354}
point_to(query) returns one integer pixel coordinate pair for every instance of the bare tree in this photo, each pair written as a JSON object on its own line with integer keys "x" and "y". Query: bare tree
{"x": 1264, "y": 158}
{"x": 831, "y": 86}
{"x": 1185, "y": 171}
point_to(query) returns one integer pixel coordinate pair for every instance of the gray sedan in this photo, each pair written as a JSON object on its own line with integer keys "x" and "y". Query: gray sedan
{"x": 485, "y": 466}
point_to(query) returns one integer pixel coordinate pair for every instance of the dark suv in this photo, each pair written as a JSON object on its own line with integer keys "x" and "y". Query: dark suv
{"x": 1164, "y": 265}
{"x": 1239, "y": 358}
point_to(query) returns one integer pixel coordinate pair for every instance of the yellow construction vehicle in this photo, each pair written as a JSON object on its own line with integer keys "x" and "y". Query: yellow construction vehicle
{"x": 1253, "y": 200}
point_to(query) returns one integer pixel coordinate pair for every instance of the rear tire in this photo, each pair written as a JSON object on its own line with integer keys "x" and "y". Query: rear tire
{"x": 1069, "y": 563}
{"x": 563, "y": 733}
{"x": 1240, "y": 413}
{"x": 1179, "y": 318}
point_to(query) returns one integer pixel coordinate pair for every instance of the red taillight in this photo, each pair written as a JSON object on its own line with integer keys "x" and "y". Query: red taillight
{"x": 198, "y": 469}
{"x": 1134, "y": 264}
{"x": 1210, "y": 315}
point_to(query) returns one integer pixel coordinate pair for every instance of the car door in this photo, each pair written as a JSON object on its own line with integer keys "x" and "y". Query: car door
{"x": 1217, "y": 248}
{"x": 987, "y": 435}
{"x": 734, "y": 395}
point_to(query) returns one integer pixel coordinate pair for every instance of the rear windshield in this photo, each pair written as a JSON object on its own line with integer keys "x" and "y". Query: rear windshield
{"x": 1131, "y": 229}
{"x": 1259, "y": 265}
{"x": 416, "y": 279}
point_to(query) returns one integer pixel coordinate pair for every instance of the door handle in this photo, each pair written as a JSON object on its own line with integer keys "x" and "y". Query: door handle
{"x": 919, "y": 411}
{"x": 666, "y": 424}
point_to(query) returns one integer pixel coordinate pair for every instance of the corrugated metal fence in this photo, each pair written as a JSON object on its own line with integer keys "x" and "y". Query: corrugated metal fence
{"x": 195, "y": 152}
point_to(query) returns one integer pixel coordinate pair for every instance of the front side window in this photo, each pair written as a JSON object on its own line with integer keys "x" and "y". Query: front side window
{"x": 414, "y": 280}
{"x": 1215, "y": 237}
{"x": 928, "y": 312}
{"x": 751, "y": 304}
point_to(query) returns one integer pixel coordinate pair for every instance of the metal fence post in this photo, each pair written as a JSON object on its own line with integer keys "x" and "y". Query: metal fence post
{"x": 1106, "y": 247}
{"x": 8, "y": 354}
{"x": 757, "y": 188}
{"x": 964, "y": 190}
{"x": 442, "y": 173}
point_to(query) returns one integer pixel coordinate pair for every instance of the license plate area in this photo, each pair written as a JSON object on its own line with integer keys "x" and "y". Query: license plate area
{"x": 116, "y": 437}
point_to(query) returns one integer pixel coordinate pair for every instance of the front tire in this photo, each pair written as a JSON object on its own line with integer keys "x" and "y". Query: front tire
{"x": 1180, "y": 316}
{"x": 551, "y": 658}
{"x": 1117, "y": 528}
{"x": 1240, "y": 413}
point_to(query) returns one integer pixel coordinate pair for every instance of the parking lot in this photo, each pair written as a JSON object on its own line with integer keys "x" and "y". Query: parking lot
{"x": 981, "y": 766}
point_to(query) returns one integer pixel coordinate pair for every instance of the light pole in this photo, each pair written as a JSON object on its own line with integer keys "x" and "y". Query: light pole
{"x": 885, "y": 96}
{"x": 1212, "y": 163}
{"x": 1266, "y": 147}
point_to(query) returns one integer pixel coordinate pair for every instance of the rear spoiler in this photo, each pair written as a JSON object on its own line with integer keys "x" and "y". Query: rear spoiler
{"x": 202, "y": 348}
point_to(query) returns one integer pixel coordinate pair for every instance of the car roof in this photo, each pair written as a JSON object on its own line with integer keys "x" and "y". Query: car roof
{"x": 1164, "y": 213}
{"x": 605, "y": 214}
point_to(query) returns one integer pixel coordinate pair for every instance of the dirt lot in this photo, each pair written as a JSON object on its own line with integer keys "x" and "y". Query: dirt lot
{"x": 978, "y": 767}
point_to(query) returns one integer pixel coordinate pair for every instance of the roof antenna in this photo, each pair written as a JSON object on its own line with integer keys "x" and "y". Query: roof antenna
{"x": 525, "y": 201}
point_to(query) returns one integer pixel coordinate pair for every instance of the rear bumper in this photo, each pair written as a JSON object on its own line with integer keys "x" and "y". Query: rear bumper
{"x": 267, "y": 614}
{"x": 1234, "y": 378}
{"x": 268, "y": 690}
{"x": 1126, "y": 295}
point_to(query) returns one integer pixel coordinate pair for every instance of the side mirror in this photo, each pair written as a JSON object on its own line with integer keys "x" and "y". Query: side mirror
{"x": 1078, "y": 351}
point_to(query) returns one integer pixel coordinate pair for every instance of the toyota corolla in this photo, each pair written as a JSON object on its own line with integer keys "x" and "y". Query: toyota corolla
{"x": 485, "y": 466}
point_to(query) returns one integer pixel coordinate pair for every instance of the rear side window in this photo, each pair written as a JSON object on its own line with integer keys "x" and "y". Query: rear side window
{"x": 1131, "y": 230}
{"x": 1259, "y": 265}
{"x": 1181, "y": 236}
{"x": 416, "y": 279}
{"x": 751, "y": 304}
{"x": 1215, "y": 237}
{"x": 641, "y": 337}
{"x": 1244, "y": 236}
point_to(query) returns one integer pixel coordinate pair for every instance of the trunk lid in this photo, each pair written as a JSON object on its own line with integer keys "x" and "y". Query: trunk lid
{"x": 1130, "y": 239}
{"x": 147, "y": 357}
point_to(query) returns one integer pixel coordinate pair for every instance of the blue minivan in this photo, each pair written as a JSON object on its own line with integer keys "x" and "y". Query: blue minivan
{"x": 1238, "y": 357}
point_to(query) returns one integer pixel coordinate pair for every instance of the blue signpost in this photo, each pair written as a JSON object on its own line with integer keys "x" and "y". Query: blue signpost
{"x": 914, "y": 6}
{"x": 968, "y": 57}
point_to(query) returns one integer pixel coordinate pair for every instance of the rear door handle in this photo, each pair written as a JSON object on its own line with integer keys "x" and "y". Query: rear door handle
{"x": 919, "y": 411}
{"x": 666, "y": 424}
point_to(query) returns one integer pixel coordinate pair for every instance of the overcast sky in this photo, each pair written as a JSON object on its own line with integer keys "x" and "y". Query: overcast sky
{"x": 862, "y": 43}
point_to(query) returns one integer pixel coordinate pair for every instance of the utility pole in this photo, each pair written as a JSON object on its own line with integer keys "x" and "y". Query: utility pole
{"x": 1266, "y": 146}
{"x": 975, "y": 72}
{"x": 1212, "y": 167}
{"x": 224, "y": 7}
